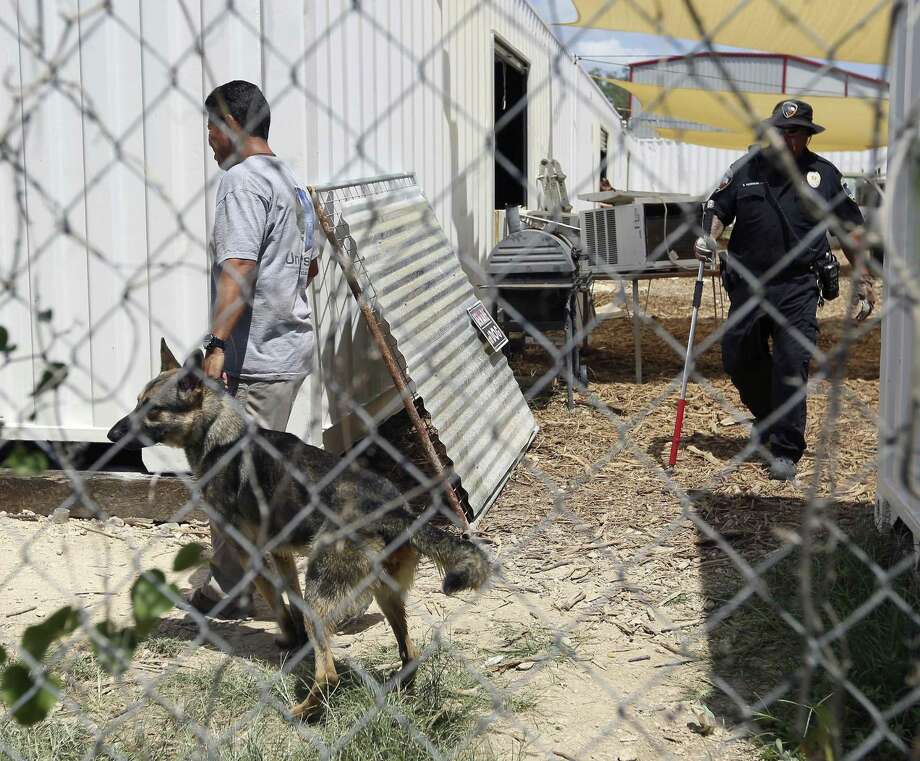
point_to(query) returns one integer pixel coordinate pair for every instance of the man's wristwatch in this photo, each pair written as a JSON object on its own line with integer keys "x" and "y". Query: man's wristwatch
{"x": 213, "y": 342}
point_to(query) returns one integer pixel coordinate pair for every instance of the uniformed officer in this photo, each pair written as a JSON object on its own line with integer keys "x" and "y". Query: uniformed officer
{"x": 777, "y": 240}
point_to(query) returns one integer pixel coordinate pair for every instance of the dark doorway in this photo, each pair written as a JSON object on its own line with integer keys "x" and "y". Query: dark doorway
{"x": 510, "y": 87}
{"x": 605, "y": 139}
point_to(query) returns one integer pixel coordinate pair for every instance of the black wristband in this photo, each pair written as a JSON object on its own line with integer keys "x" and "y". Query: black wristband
{"x": 213, "y": 342}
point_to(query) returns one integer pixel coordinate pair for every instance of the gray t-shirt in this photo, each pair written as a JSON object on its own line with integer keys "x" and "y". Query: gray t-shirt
{"x": 263, "y": 214}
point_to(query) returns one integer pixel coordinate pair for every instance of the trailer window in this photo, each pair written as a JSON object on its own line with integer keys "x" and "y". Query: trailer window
{"x": 510, "y": 88}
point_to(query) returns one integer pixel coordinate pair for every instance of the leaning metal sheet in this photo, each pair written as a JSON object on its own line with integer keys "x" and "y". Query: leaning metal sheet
{"x": 414, "y": 281}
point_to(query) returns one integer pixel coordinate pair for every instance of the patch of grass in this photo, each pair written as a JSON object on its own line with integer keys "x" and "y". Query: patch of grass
{"x": 235, "y": 710}
{"x": 779, "y": 751}
{"x": 679, "y": 599}
{"x": 702, "y": 693}
{"x": 61, "y": 741}
{"x": 817, "y": 716}
{"x": 534, "y": 643}
{"x": 165, "y": 647}
{"x": 80, "y": 666}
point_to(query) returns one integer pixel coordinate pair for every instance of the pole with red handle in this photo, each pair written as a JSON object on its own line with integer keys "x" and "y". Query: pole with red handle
{"x": 688, "y": 365}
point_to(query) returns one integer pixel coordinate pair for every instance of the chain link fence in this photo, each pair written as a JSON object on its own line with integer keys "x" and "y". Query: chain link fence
{"x": 604, "y": 605}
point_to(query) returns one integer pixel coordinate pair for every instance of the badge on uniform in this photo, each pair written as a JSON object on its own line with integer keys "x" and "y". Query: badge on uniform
{"x": 725, "y": 181}
{"x": 789, "y": 109}
{"x": 814, "y": 179}
{"x": 847, "y": 189}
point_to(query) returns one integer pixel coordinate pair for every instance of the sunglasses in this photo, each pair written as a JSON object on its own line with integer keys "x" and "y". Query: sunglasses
{"x": 794, "y": 131}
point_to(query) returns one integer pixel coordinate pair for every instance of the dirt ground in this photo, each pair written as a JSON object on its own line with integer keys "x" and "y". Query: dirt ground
{"x": 624, "y": 570}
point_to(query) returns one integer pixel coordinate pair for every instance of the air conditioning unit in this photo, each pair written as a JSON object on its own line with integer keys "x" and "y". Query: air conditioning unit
{"x": 635, "y": 238}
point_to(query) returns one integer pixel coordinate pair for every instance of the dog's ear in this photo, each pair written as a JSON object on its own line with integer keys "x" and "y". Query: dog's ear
{"x": 192, "y": 374}
{"x": 167, "y": 360}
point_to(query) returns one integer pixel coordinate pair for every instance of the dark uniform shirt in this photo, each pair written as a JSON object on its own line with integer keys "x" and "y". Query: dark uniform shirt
{"x": 771, "y": 219}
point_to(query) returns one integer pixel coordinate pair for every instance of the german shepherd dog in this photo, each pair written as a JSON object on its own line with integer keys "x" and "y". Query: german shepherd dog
{"x": 286, "y": 498}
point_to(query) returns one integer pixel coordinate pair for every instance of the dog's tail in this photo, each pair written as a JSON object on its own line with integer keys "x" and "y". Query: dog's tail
{"x": 463, "y": 564}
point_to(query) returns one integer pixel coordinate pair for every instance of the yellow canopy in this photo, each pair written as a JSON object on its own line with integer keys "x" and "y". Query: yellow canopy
{"x": 844, "y": 30}
{"x": 849, "y": 122}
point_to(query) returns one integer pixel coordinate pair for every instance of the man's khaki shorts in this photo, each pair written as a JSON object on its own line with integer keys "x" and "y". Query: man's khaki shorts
{"x": 268, "y": 402}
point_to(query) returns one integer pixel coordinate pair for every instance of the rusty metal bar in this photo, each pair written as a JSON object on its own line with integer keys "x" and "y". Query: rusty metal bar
{"x": 393, "y": 367}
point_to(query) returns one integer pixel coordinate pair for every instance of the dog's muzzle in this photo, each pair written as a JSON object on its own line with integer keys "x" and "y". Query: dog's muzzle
{"x": 125, "y": 434}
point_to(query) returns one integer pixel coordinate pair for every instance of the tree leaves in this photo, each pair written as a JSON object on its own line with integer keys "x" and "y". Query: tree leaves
{"x": 38, "y": 638}
{"x": 24, "y": 461}
{"x": 31, "y": 698}
{"x": 151, "y": 597}
{"x": 17, "y": 683}
{"x": 113, "y": 647}
{"x": 5, "y": 346}
{"x": 54, "y": 374}
{"x": 189, "y": 556}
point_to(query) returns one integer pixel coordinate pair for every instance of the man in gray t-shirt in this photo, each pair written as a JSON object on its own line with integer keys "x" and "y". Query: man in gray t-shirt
{"x": 262, "y": 336}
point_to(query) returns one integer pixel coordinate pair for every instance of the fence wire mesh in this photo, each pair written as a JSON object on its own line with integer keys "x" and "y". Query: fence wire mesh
{"x": 604, "y": 605}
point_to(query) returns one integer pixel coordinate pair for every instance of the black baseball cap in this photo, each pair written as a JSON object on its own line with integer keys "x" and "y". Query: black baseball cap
{"x": 793, "y": 113}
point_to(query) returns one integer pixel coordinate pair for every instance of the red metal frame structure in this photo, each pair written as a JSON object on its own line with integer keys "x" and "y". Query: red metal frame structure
{"x": 784, "y": 57}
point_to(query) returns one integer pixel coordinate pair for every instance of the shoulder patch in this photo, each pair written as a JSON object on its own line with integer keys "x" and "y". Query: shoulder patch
{"x": 817, "y": 158}
{"x": 725, "y": 181}
{"x": 851, "y": 194}
{"x": 814, "y": 179}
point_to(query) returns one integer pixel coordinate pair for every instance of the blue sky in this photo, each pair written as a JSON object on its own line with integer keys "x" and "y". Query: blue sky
{"x": 620, "y": 48}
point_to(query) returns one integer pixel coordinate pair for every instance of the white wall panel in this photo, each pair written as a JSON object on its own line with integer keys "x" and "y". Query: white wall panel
{"x": 16, "y": 375}
{"x": 384, "y": 87}
{"x": 750, "y": 73}
{"x": 801, "y": 77}
{"x": 54, "y": 147}
{"x": 896, "y": 500}
{"x": 667, "y": 166}
{"x": 113, "y": 129}
{"x": 176, "y": 157}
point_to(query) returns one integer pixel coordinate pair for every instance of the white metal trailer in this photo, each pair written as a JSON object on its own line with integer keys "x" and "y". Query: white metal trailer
{"x": 899, "y": 437}
{"x": 107, "y": 181}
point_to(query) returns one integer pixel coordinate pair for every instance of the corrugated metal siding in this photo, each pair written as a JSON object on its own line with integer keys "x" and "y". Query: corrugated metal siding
{"x": 754, "y": 74}
{"x": 802, "y": 78}
{"x": 667, "y": 166}
{"x": 749, "y": 73}
{"x": 393, "y": 86}
{"x": 898, "y": 328}
{"x": 436, "y": 105}
{"x": 411, "y": 275}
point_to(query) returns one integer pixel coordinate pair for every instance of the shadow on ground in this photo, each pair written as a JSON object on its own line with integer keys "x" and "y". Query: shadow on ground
{"x": 247, "y": 641}
{"x": 852, "y": 687}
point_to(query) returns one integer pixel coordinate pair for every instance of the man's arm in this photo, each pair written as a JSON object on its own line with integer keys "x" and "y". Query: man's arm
{"x": 719, "y": 205}
{"x": 234, "y": 292}
{"x": 864, "y": 295}
{"x": 845, "y": 208}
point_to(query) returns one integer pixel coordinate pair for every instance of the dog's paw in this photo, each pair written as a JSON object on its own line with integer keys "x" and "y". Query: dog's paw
{"x": 291, "y": 643}
{"x": 402, "y": 679}
{"x": 310, "y": 710}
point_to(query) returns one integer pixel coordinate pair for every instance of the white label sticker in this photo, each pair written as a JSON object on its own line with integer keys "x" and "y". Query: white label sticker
{"x": 486, "y": 326}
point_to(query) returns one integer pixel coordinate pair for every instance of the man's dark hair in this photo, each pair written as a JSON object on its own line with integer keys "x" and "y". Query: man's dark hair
{"x": 244, "y": 102}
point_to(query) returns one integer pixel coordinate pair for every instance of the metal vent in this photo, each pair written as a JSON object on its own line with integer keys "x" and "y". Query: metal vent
{"x": 601, "y": 236}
